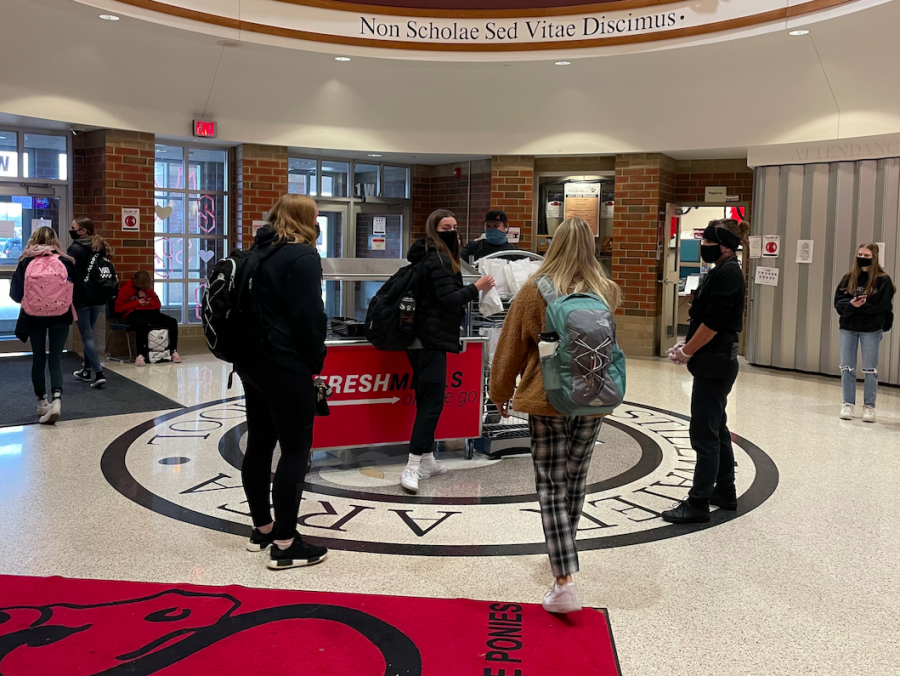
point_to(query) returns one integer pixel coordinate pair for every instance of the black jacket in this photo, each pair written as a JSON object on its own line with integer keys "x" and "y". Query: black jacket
{"x": 82, "y": 252}
{"x": 719, "y": 304}
{"x": 27, "y": 323}
{"x": 481, "y": 248}
{"x": 877, "y": 312}
{"x": 441, "y": 299}
{"x": 289, "y": 302}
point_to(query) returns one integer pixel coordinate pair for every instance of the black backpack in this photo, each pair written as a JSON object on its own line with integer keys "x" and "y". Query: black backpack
{"x": 101, "y": 281}
{"x": 229, "y": 307}
{"x": 390, "y": 319}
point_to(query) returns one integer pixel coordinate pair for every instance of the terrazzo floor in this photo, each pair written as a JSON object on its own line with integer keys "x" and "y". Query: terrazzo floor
{"x": 805, "y": 583}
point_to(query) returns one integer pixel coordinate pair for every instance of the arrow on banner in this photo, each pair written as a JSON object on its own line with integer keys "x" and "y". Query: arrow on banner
{"x": 355, "y": 402}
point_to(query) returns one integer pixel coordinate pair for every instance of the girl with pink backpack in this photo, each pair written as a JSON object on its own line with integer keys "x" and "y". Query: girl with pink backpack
{"x": 43, "y": 285}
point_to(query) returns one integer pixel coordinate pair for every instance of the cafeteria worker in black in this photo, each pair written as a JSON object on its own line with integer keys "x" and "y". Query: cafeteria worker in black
{"x": 710, "y": 352}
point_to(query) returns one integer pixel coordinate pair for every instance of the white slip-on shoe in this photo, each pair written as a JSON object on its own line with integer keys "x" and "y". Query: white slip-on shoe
{"x": 869, "y": 414}
{"x": 562, "y": 599}
{"x": 847, "y": 412}
{"x": 53, "y": 413}
{"x": 410, "y": 479}
{"x": 43, "y": 406}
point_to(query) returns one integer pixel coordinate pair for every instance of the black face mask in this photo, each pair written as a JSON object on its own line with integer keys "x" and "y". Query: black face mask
{"x": 451, "y": 239}
{"x": 863, "y": 262}
{"x": 710, "y": 253}
{"x": 74, "y": 234}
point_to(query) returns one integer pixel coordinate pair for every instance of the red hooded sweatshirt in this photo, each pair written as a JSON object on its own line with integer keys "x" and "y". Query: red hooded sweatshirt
{"x": 130, "y": 296}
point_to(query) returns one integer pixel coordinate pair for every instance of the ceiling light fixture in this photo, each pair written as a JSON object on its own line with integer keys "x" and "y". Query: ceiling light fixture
{"x": 342, "y": 58}
{"x": 798, "y": 33}
{"x": 563, "y": 63}
{"x": 109, "y": 17}
{"x": 374, "y": 154}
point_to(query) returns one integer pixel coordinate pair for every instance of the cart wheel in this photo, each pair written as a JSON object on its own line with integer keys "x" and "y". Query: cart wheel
{"x": 470, "y": 449}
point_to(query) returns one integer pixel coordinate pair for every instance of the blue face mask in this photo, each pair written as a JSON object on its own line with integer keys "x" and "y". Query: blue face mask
{"x": 495, "y": 236}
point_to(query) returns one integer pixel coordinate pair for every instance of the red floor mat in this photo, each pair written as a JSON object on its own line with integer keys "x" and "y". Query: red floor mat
{"x": 88, "y": 627}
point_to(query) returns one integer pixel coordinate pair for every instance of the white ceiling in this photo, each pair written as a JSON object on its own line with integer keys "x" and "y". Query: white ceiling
{"x": 61, "y": 62}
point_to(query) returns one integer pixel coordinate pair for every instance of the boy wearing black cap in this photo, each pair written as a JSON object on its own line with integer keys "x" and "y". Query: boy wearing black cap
{"x": 496, "y": 225}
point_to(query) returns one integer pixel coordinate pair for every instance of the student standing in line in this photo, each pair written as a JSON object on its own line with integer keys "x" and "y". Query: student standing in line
{"x": 710, "y": 352}
{"x": 42, "y": 283}
{"x": 496, "y": 228}
{"x": 141, "y": 308}
{"x": 864, "y": 300}
{"x": 278, "y": 381}
{"x": 561, "y": 446}
{"x": 440, "y": 305}
{"x": 88, "y": 305}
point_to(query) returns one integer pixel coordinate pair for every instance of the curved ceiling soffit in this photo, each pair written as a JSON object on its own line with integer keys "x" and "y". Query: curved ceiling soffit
{"x": 333, "y": 23}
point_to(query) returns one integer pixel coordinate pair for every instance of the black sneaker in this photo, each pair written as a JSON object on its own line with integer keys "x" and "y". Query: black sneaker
{"x": 686, "y": 512}
{"x": 99, "y": 380}
{"x": 724, "y": 499}
{"x": 83, "y": 374}
{"x": 300, "y": 553}
{"x": 259, "y": 541}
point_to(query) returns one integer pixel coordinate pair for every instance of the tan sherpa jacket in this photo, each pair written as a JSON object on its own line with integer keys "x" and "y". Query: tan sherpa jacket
{"x": 517, "y": 353}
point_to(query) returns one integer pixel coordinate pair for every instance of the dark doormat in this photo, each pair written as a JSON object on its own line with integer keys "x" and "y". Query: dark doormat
{"x": 79, "y": 401}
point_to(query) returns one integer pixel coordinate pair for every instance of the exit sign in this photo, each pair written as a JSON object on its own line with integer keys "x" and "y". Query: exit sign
{"x": 204, "y": 129}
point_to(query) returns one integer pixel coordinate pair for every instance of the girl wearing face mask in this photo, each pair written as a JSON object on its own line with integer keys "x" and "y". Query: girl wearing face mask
{"x": 440, "y": 306}
{"x": 864, "y": 300}
{"x": 710, "y": 353}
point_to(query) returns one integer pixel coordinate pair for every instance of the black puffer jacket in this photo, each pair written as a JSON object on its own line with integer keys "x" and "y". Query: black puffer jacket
{"x": 81, "y": 250}
{"x": 291, "y": 312}
{"x": 441, "y": 299}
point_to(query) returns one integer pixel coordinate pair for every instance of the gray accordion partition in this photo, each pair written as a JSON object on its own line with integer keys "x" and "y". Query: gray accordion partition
{"x": 839, "y": 206}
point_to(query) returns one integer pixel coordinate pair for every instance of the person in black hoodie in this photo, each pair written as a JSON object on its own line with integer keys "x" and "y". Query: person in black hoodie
{"x": 85, "y": 245}
{"x": 440, "y": 307}
{"x": 278, "y": 382}
{"x": 496, "y": 228}
{"x": 710, "y": 352}
{"x": 864, "y": 300}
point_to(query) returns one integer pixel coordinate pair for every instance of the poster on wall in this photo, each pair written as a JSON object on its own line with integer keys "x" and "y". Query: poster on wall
{"x": 766, "y": 276}
{"x": 514, "y": 235}
{"x": 771, "y": 246}
{"x": 7, "y": 229}
{"x": 755, "y": 247}
{"x": 882, "y": 249}
{"x": 583, "y": 201}
{"x": 805, "y": 251}
{"x": 379, "y": 225}
{"x": 131, "y": 219}
{"x": 40, "y": 223}
{"x": 377, "y": 243}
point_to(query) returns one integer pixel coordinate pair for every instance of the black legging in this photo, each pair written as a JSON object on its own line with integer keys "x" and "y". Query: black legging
{"x": 144, "y": 320}
{"x": 430, "y": 383}
{"x": 58, "y": 336}
{"x": 280, "y": 409}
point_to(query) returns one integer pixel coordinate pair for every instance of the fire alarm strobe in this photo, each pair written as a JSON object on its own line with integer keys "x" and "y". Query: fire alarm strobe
{"x": 204, "y": 128}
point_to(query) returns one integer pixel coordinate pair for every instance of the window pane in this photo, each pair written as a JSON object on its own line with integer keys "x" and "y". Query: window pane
{"x": 168, "y": 216}
{"x": 45, "y": 157}
{"x": 335, "y": 178}
{"x": 195, "y": 293}
{"x": 169, "y": 168}
{"x": 171, "y": 295}
{"x": 207, "y": 215}
{"x": 168, "y": 258}
{"x": 9, "y": 156}
{"x": 301, "y": 176}
{"x": 396, "y": 180}
{"x": 23, "y": 211}
{"x": 207, "y": 169}
{"x": 203, "y": 254}
{"x": 365, "y": 180}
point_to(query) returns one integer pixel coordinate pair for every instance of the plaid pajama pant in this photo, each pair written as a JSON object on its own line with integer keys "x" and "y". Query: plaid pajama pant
{"x": 561, "y": 449}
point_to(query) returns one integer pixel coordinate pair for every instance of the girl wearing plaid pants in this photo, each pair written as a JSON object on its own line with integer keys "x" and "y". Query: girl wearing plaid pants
{"x": 561, "y": 446}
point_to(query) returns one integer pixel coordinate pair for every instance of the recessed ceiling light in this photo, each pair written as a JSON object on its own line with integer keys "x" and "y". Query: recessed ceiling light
{"x": 374, "y": 154}
{"x": 798, "y": 33}
{"x": 342, "y": 58}
{"x": 109, "y": 17}
{"x": 229, "y": 43}
{"x": 563, "y": 63}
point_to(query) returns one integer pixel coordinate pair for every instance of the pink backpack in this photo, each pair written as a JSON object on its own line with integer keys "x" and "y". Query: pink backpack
{"x": 48, "y": 291}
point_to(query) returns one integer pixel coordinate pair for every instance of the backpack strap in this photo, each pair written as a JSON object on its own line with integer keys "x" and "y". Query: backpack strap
{"x": 548, "y": 290}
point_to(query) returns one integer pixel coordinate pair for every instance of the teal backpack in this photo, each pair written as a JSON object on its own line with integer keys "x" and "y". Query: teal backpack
{"x": 586, "y": 373}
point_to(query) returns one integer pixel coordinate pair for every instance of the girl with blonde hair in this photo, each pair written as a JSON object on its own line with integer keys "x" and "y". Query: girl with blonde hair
{"x": 561, "y": 446}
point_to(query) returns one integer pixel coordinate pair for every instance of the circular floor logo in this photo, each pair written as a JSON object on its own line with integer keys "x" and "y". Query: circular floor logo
{"x": 186, "y": 465}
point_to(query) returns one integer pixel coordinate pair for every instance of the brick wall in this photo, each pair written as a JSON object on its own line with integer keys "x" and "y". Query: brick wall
{"x": 261, "y": 177}
{"x": 582, "y": 163}
{"x": 512, "y": 190}
{"x": 694, "y": 176}
{"x": 436, "y": 187}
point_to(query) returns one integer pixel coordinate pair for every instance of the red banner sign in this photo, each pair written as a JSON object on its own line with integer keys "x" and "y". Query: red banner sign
{"x": 374, "y": 403}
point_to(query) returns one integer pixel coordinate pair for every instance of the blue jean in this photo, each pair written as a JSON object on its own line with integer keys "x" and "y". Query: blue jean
{"x": 87, "y": 319}
{"x": 869, "y": 342}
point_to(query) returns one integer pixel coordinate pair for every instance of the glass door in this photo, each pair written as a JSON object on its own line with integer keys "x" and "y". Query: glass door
{"x": 22, "y": 210}
{"x": 379, "y": 234}
{"x": 333, "y": 243}
{"x": 670, "y": 241}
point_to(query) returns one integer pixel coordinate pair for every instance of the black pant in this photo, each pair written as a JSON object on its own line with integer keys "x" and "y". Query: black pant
{"x": 58, "y": 336}
{"x": 710, "y": 437}
{"x": 144, "y": 320}
{"x": 280, "y": 409}
{"x": 430, "y": 383}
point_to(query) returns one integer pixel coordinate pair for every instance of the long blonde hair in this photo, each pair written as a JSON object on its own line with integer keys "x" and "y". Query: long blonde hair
{"x": 571, "y": 263}
{"x": 875, "y": 271}
{"x": 294, "y": 220}
{"x": 432, "y": 237}
{"x": 41, "y": 240}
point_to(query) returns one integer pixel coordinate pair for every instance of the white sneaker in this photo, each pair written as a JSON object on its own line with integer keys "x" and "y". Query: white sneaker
{"x": 869, "y": 414}
{"x": 847, "y": 412}
{"x": 562, "y": 599}
{"x": 430, "y": 469}
{"x": 52, "y": 414}
{"x": 410, "y": 479}
{"x": 43, "y": 406}
{"x": 140, "y": 361}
